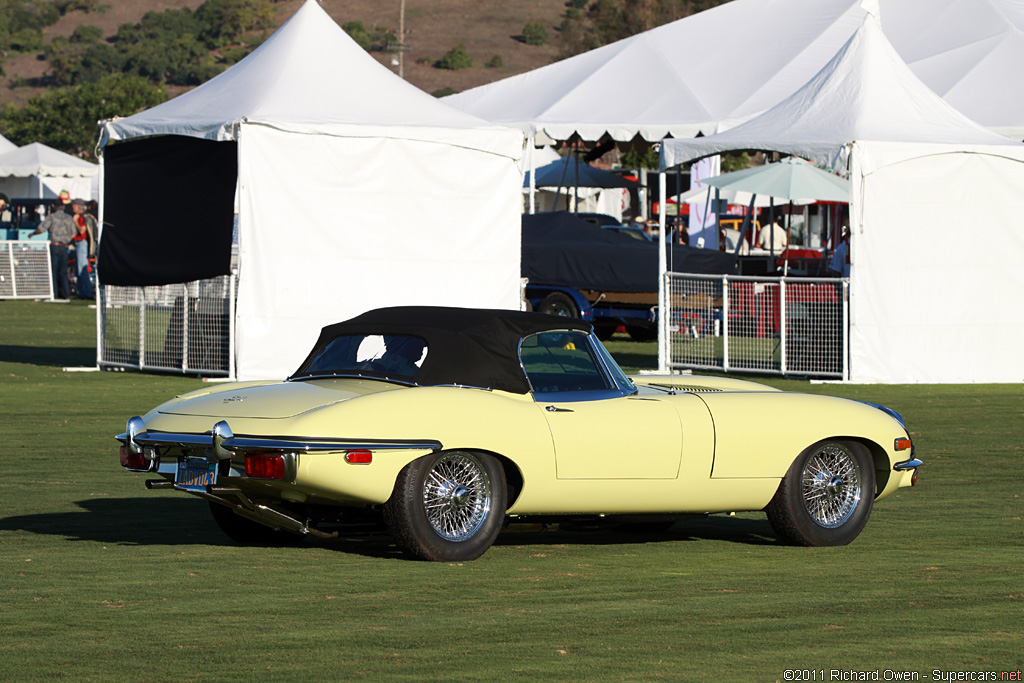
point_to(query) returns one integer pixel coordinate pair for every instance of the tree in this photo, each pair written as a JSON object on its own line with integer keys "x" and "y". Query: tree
{"x": 356, "y": 30}
{"x": 224, "y": 21}
{"x": 606, "y": 21}
{"x": 534, "y": 33}
{"x": 67, "y": 118}
{"x": 455, "y": 58}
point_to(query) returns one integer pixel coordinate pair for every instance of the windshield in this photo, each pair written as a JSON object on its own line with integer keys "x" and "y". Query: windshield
{"x": 385, "y": 355}
{"x": 570, "y": 362}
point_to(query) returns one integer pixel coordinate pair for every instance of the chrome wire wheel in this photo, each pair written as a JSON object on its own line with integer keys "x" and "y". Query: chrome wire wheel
{"x": 456, "y": 496}
{"x": 831, "y": 485}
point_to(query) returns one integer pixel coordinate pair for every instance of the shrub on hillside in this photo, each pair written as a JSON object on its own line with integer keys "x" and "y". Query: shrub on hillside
{"x": 534, "y": 33}
{"x": 356, "y": 30}
{"x": 456, "y": 58}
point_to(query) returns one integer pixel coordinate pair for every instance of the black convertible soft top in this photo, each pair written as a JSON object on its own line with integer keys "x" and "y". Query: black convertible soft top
{"x": 466, "y": 346}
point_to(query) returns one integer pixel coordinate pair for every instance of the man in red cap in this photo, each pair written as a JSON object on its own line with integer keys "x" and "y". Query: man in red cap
{"x": 85, "y": 246}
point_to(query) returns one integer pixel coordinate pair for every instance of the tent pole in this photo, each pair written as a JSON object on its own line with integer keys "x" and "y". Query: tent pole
{"x": 704, "y": 218}
{"x": 561, "y": 184}
{"x": 679, "y": 203}
{"x": 576, "y": 185}
{"x": 747, "y": 222}
{"x": 663, "y": 307}
{"x": 789, "y": 225}
{"x": 718, "y": 216}
{"x": 98, "y": 290}
{"x": 531, "y": 165}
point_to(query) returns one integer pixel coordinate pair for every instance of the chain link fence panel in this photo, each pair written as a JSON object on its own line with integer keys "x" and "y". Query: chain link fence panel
{"x": 785, "y": 326}
{"x": 185, "y": 327}
{"x": 25, "y": 270}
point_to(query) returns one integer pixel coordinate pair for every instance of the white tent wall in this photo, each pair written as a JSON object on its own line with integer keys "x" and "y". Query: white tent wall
{"x": 936, "y": 289}
{"x": 408, "y": 225}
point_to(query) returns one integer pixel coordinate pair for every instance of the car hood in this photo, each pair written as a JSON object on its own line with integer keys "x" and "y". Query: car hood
{"x": 281, "y": 400}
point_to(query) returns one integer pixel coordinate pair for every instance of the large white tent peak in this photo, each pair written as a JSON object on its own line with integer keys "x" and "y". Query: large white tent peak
{"x": 680, "y": 79}
{"x": 864, "y": 93}
{"x": 708, "y": 72}
{"x": 310, "y": 76}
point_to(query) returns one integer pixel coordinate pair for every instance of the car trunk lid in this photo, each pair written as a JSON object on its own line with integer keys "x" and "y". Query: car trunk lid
{"x": 285, "y": 399}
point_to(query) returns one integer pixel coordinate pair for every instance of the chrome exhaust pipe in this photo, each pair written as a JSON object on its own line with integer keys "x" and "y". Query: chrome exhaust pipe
{"x": 244, "y": 507}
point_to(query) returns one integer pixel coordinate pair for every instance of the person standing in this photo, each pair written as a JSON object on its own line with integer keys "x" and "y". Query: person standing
{"x": 773, "y": 238}
{"x": 85, "y": 247}
{"x": 62, "y": 230}
{"x": 840, "y": 263}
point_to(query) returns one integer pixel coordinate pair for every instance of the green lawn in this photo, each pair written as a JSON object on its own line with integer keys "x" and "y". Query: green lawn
{"x": 103, "y": 580}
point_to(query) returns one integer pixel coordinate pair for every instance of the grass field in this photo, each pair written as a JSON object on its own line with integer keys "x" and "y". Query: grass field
{"x": 103, "y": 580}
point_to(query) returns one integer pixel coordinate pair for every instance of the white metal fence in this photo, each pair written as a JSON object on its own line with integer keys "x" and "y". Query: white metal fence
{"x": 25, "y": 269}
{"x": 185, "y": 327}
{"x": 787, "y": 326}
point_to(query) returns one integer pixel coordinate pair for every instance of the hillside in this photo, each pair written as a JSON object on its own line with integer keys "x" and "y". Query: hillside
{"x": 485, "y": 27}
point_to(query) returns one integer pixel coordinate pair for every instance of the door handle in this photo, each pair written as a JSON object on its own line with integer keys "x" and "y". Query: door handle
{"x": 556, "y": 409}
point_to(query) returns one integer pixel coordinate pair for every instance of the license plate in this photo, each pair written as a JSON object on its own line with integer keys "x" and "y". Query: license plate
{"x": 195, "y": 474}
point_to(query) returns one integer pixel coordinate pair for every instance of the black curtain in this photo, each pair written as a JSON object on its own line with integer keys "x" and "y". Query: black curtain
{"x": 168, "y": 210}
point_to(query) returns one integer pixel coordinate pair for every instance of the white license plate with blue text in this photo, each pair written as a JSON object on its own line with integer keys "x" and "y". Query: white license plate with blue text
{"x": 195, "y": 474}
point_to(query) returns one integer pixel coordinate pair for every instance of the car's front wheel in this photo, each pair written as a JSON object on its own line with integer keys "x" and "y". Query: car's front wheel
{"x": 826, "y": 496}
{"x": 447, "y": 507}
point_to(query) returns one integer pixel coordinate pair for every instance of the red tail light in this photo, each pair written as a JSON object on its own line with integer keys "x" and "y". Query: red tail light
{"x": 358, "y": 457}
{"x": 132, "y": 461}
{"x": 264, "y": 465}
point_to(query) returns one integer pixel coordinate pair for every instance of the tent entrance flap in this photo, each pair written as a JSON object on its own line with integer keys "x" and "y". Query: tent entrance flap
{"x": 170, "y": 210}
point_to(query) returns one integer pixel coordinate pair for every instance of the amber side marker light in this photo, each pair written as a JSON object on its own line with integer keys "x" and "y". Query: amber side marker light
{"x": 358, "y": 457}
{"x": 903, "y": 444}
{"x": 264, "y": 465}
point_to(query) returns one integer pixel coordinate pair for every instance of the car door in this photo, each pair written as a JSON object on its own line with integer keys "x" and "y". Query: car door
{"x": 599, "y": 427}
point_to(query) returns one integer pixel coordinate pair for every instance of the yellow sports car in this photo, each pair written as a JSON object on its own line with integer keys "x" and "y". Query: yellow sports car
{"x": 448, "y": 423}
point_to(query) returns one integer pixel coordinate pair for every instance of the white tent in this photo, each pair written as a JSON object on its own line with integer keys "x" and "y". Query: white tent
{"x": 6, "y": 145}
{"x": 354, "y": 190}
{"x": 38, "y": 171}
{"x": 936, "y": 291}
{"x": 712, "y": 70}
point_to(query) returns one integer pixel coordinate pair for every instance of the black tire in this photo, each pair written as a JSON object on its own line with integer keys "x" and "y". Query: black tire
{"x": 557, "y": 303}
{"x": 642, "y": 333}
{"x": 246, "y": 531}
{"x": 826, "y": 496}
{"x": 447, "y": 507}
{"x": 605, "y": 331}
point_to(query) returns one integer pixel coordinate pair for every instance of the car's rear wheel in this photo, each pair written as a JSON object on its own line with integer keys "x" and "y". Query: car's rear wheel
{"x": 447, "y": 507}
{"x": 642, "y": 332}
{"x": 557, "y": 303}
{"x": 247, "y": 532}
{"x": 826, "y": 496}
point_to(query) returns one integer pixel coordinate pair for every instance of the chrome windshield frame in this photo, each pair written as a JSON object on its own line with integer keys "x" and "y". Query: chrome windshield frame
{"x": 603, "y": 358}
